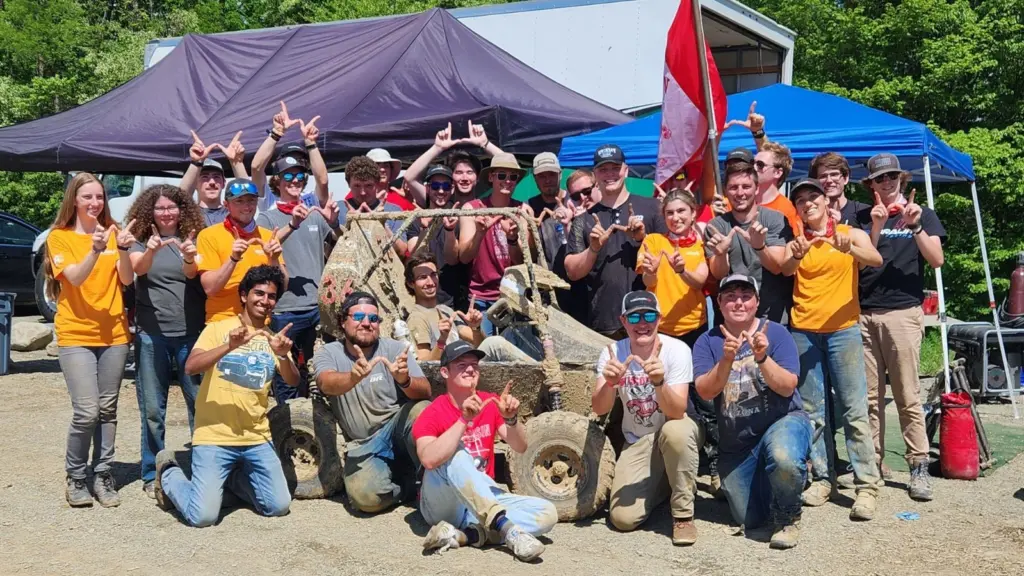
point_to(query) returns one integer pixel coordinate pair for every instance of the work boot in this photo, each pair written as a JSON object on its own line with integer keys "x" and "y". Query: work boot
{"x": 864, "y": 506}
{"x": 164, "y": 460}
{"x": 523, "y": 544}
{"x": 684, "y": 532}
{"x": 920, "y": 482}
{"x": 443, "y": 537}
{"x": 819, "y": 492}
{"x": 786, "y": 535}
{"x": 105, "y": 489}
{"x": 77, "y": 493}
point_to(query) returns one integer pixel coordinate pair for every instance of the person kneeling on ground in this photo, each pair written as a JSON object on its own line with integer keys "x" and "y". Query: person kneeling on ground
{"x": 651, "y": 373}
{"x": 232, "y": 444}
{"x": 455, "y": 442}
{"x": 749, "y": 367}
{"x": 373, "y": 386}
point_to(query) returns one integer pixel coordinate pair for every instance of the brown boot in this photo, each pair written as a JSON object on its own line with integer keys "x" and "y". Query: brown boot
{"x": 684, "y": 532}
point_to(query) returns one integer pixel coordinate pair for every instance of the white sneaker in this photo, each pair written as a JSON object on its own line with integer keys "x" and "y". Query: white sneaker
{"x": 442, "y": 537}
{"x": 523, "y": 545}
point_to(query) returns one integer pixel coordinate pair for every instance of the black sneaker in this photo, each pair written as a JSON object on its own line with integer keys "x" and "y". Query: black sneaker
{"x": 105, "y": 490}
{"x": 920, "y": 482}
{"x": 77, "y": 493}
{"x": 164, "y": 460}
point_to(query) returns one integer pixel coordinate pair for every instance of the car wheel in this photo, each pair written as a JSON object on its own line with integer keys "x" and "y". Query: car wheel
{"x": 47, "y": 307}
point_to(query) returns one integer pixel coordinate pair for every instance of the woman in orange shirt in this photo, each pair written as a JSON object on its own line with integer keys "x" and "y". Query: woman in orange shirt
{"x": 86, "y": 267}
{"x": 825, "y": 259}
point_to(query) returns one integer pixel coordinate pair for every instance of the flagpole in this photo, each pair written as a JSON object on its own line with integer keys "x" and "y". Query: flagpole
{"x": 702, "y": 59}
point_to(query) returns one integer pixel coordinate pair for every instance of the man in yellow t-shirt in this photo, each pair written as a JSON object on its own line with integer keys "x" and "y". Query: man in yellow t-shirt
{"x": 231, "y": 444}
{"x": 227, "y": 251}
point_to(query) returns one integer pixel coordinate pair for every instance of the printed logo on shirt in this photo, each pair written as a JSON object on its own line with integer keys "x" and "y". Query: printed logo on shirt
{"x": 898, "y": 230}
{"x": 473, "y": 440}
{"x": 641, "y": 401}
{"x": 249, "y": 366}
{"x": 58, "y": 259}
{"x": 313, "y": 227}
{"x": 741, "y": 397}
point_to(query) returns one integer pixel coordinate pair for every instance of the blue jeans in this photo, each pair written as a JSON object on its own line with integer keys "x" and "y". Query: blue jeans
{"x": 838, "y": 358}
{"x": 158, "y": 355}
{"x": 381, "y": 470}
{"x": 253, "y": 473}
{"x": 303, "y": 335}
{"x": 461, "y": 495}
{"x": 767, "y": 482}
{"x": 487, "y": 327}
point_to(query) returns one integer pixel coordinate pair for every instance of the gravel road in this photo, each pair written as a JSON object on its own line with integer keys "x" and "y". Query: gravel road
{"x": 970, "y": 528}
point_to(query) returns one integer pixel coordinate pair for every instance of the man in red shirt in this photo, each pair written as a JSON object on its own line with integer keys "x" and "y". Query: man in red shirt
{"x": 455, "y": 444}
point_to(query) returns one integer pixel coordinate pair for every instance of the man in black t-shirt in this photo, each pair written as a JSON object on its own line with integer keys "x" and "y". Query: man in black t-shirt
{"x": 908, "y": 237}
{"x": 833, "y": 172}
{"x": 611, "y": 232}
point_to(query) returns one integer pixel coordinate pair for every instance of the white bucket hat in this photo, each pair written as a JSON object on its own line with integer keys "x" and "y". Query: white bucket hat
{"x": 381, "y": 156}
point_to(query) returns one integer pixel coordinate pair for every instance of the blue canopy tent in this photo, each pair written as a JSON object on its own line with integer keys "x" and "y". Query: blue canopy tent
{"x": 810, "y": 123}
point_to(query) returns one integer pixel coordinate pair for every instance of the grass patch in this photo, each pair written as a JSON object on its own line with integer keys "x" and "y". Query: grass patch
{"x": 931, "y": 352}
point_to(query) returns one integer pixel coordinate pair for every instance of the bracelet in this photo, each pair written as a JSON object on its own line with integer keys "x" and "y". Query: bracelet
{"x": 591, "y": 248}
{"x": 282, "y": 357}
{"x": 917, "y": 230}
{"x": 758, "y": 135}
{"x": 124, "y": 248}
{"x": 311, "y": 146}
{"x": 274, "y": 135}
{"x": 292, "y": 226}
{"x": 95, "y": 251}
{"x": 797, "y": 259}
{"x": 406, "y": 385}
{"x": 513, "y": 421}
{"x": 235, "y": 260}
{"x": 762, "y": 360}
{"x": 197, "y": 163}
{"x": 189, "y": 262}
{"x": 759, "y": 249}
{"x": 657, "y": 384}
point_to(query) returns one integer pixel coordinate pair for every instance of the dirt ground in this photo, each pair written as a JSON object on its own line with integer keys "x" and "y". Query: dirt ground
{"x": 970, "y": 528}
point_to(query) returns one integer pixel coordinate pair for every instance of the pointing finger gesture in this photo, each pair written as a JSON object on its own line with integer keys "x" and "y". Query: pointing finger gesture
{"x": 286, "y": 120}
{"x": 508, "y": 404}
{"x": 613, "y": 369}
{"x": 309, "y": 131}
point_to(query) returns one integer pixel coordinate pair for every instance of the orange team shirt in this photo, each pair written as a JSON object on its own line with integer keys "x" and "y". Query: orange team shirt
{"x": 682, "y": 305}
{"x": 91, "y": 314}
{"x": 783, "y": 204}
{"x": 825, "y": 289}
{"x": 213, "y": 247}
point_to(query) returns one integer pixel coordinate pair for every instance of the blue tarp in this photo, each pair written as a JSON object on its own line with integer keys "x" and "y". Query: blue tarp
{"x": 809, "y": 123}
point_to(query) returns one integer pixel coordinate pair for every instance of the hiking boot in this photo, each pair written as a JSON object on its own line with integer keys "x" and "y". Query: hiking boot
{"x": 786, "y": 535}
{"x": 920, "y": 482}
{"x": 77, "y": 493}
{"x": 522, "y": 544}
{"x": 164, "y": 460}
{"x": 443, "y": 537}
{"x": 684, "y": 532}
{"x": 105, "y": 489}
{"x": 846, "y": 481}
{"x": 819, "y": 492}
{"x": 149, "y": 488}
{"x": 864, "y": 506}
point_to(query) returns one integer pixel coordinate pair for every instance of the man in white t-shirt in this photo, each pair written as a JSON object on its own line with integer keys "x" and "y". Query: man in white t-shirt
{"x": 651, "y": 374}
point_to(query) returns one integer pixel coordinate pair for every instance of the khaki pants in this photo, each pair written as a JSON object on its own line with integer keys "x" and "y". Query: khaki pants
{"x": 892, "y": 343}
{"x": 654, "y": 467}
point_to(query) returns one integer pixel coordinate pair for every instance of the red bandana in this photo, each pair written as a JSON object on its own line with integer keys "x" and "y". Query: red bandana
{"x": 685, "y": 241}
{"x": 287, "y": 207}
{"x": 235, "y": 228}
{"x": 830, "y": 231}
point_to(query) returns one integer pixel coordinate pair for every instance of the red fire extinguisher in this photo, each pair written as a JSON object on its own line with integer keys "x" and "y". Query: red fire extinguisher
{"x": 958, "y": 439}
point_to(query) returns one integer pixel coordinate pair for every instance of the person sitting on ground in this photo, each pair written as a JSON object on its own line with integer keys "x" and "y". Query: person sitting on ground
{"x": 464, "y": 166}
{"x": 292, "y": 155}
{"x": 445, "y": 242}
{"x": 431, "y": 324}
{"x": 232, "y": 446}
{"x": 748, "y": 366}
{"x": 651, "y": 374}
{"x": 227, "y": 251}
{"x": 455, "y": 442}
{"x": 210, "y": 175}
{"x": 376, "y": 391}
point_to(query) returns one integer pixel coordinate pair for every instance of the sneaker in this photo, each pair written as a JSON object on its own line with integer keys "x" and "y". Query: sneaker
{"x": 443, "y": 537}
{"x": 105, "y": 489}
{"x": 864, "y": 506}
{"x": 684, "y": 532}
{"x": 522, "y": 544}
{"x": 786, "y": 535}
{"x": 149, "y": 488}
{"x": 846, "y": 481}
{"x": 77, "y": 493}
{"x": 818, "y": 493}
{"x": 164, "y": 460}
{"x": 920, "y": 482}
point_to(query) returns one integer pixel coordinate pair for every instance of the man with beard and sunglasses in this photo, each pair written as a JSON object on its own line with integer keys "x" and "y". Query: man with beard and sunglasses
{"x": 376, "y": 390}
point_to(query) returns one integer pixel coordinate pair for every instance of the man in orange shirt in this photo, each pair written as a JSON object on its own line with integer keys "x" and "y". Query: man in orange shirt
{"x": 227, "y": 251}
{"x": 773, "y": 163}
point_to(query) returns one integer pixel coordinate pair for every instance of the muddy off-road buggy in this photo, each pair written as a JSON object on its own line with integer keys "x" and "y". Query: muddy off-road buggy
{"x": 569, "y": 461}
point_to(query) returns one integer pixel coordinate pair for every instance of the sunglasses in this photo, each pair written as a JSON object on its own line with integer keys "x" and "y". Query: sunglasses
{"x": 510, "y": 176}
{"x": 885, "y": 177}
{"x": 586, "y": 191}
{"x": 647, "y": 317}
{"x": 445, "y": 186}
{"x": 759, "y": 165}
{"x": 360, "y": 316}
{"x": 296, "y": 176}
{"x": 240, "y": 188}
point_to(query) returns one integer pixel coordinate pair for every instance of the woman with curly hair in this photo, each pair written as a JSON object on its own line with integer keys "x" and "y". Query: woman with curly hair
{"x": 170, "y": 309}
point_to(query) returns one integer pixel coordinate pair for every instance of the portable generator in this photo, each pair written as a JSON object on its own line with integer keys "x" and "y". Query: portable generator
{"x": 978, "y": 345}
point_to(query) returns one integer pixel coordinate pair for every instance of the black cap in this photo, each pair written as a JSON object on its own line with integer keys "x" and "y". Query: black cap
{"x": 736, "y": 280}
{"x": 608, "y": 153}
{"x": 740, "y": 153}
{"x": 287, "y": 163}
{"x": 638, "y": 301}
{"x": 811, "y": 183}
{"x": 357, "y": 298}
{"x": 289, "y": 149}
{"x": 438, "y": 170}
{"x": 457, "y": 349}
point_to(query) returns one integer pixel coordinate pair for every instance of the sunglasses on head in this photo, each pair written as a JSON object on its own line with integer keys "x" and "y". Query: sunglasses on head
{"x": 296, "y": 176}
{"x": 240, "y": 188}
{"x": 360, "y": 316}
{"x": 446, "y": 186}
{"x": 648, "y": 317}
{"x": 885, "y": 177}
{"x": 510, "y": 176}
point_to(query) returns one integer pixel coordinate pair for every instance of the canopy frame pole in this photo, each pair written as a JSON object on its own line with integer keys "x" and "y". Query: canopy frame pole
{"x": 992, "y": 303}
{"x": 943, "y": 321}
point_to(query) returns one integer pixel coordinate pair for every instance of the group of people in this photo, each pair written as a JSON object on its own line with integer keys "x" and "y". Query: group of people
{"x": 816, "y": 300}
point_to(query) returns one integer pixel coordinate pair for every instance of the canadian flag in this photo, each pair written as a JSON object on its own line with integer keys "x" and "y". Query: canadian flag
{"x": 684, "y": 122}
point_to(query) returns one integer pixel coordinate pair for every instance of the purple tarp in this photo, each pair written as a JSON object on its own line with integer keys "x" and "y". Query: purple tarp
{"x": 388, "y": 82}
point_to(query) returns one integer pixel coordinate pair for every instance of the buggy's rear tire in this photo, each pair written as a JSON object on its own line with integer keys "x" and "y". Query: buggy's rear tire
{"x": 311, "y": 450}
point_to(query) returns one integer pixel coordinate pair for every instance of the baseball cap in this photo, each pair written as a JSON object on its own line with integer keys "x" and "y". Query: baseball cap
{"x": 287, "y": 163}
{"x": 289, "y": 149}
{"x": 737, "y": 279}
{"x": 608, "y": 153}
{"x": 211, "y": 164}
{"x": 457, "y": 349}
{"x": 546, "y": 162}
{"x": 811, "y": 183}
{"x": 438, "y": 170}
{"x": 740, "y": 153}
{"x": 638, "y": 301}
{"x": 240, "y": 187}
{"x": 357, "y": 298}
{"x": 882, "y": 163}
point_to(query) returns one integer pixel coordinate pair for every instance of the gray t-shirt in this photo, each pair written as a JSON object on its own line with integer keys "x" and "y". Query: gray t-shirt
{"x": 167, "y": 303}
{"x": 776, "y": 289}
{"x": 376, "y": 398}
{"x": 214, "y": 215}
{"x": 303, "y": 250}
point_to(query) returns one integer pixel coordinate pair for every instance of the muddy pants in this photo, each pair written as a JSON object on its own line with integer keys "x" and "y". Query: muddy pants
{"x": 460, "y": 494}
{"x": 653, "y": 468}
{"x": 381, "y": 470}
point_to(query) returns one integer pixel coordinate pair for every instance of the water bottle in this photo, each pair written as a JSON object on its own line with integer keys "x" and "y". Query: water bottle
{"x": 560, "y": 231}
{"x": 401, "y": 332}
